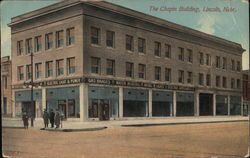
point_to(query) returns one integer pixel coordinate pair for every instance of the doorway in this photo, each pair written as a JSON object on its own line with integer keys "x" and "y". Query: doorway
{"x": 62, "y": 107}
{"x": 99, "y": 108}
{"x": 206, "y": 104}
{"x": 29, "y": 108}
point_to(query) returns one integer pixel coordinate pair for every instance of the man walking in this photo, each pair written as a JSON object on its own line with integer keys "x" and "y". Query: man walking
{"x": 45, "y": 118}
{"x": 51, "y": 118}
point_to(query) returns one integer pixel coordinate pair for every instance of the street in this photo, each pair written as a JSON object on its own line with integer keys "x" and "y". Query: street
{"x": 174, "y": 141}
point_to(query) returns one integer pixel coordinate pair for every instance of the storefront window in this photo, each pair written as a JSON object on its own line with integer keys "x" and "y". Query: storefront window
{"x": 221, "y": 105}
{"x": 162, "y": 104}
{"x": 235, "y": 105}
{"x": 184, "y": 104}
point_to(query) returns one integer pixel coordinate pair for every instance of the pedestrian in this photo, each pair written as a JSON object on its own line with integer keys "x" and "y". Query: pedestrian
{"x": 51, "y": 118}
{"x": 25, "y": 120}
{"x": 57, "y": 119}
{"x": 45, "y": 118}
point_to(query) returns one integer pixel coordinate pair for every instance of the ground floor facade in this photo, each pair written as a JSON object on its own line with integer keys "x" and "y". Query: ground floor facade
{"x": 103, "y": 99}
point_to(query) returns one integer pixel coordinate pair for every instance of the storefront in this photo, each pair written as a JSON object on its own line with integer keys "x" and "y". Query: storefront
{"x": 221, "y": 105}
{"x": 162, "y": 103}
{"x": 206, "y": 104}
{"x": 235, "y": 105}
{"x": 184, "y": 104}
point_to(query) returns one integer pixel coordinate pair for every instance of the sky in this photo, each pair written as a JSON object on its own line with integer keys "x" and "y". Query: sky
{"x": 208, "y": 16}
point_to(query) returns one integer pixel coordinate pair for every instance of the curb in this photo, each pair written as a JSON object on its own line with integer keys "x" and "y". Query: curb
{"x": 75, "y": 130}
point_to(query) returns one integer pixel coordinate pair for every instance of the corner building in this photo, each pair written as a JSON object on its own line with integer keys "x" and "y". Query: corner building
{"x": 100, "y": 61}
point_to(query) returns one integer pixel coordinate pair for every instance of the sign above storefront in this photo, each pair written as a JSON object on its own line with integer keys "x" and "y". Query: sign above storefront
{"x": 108, "y": 82}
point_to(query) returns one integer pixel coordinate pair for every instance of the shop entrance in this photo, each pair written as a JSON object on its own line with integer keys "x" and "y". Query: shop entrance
{"x": 99, "y": 108}
{"x": 62, "y": 107}
{"x": 29, "y": 108}
{"x": 206, "y": 104}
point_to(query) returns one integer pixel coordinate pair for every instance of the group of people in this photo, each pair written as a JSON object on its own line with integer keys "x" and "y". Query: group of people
{"x": 54, "y": 118}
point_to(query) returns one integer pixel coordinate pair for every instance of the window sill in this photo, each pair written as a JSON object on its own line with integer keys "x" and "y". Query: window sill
{"x": 129, "y": 51}
{"x": 111, "y": 48}
{"x": 142, "y": 53}
{"x": 95, "y": 45}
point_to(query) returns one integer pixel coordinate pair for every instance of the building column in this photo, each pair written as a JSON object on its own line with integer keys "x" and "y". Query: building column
{"x": 83, "y": 96}
{"x": 44, "y": 99}
{"x": 13, "y": 104}
{"x": 174, "y": 103}
{"x": 120, "y": 102}
{"x": 241, "y": 105}
{"x": 150, "y": 94}
{"x": 228, "y": 105}
{"x": 196, "y": 104}
{"x": 214, "y": 104}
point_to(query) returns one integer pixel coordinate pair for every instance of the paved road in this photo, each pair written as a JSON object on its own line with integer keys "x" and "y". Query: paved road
{"x": 173, "y": 141}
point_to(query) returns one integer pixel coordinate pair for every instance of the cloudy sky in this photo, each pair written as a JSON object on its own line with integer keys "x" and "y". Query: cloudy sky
{"x": 232, "y": 25}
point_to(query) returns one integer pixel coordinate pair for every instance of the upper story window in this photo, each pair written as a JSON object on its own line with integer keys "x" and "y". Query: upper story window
{"x": 95, "y": 65}
{"x": 201, "y": 79}
{"x": 217, "y": 79}
{"x": 157, "y": 49}
{"x": 224, "y": 63}
{"x": 201, "y": 58}
{"x": 217, "y": 62}
{"x": 129, "y": 69}
{"x": 59, "y": 38}
{"x": 238, "y": 83}
{"x": 238, "y": 66}
{"x": 208, "y": 59}
{"x": 28, "y": 72}
{"x": 181, "y": 76}
{"x": 38, "y": 43}
{"x": 49, "y": 69}
{"x": 95, "y": 35}
{"x": 232, "y": 83}
{"x": 157, "y": 73}
{"x": 110, "y": 39}
{"x": 129, "y": 43}
{"x": 224, "y": 82}
{"x": 48, "y": 41}
{"x": 190, "y": 55}
{"x": 181, "y": 54}
{"x": 29, "y": 47}
{"x": 142, "y": 71}
{"x": 141, "y": 45}
{"x": 208, "y": 79}
{"x": 60, "y": 67}
{"x": 233, "y": 64}
{"x": 190, "y": 77}
{"x": 168, "y": 74}
{"x": 20, "y": 73}
{"x": 110, "y": 67}
{"x": 20, "y": 47}
{"x": 70, "y": 36}
{"x": 38, "y": 70}
{"x": 71, "y": 65}
{"x": 167, "y": 51}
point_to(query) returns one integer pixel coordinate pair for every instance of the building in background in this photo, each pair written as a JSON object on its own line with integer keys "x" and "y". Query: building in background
{"x": 246, "y": 96}
{"x": 6, "y": 99}
{"x": 100, "y": 61}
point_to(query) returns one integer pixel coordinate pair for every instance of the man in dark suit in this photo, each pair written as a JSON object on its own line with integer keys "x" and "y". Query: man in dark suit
{"x": 51, "y": 118}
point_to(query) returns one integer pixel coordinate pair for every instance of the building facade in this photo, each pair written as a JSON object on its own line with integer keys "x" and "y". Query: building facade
{"x": 100, "y": 61}
{"x": 6, "y": 99}
{"x": 246, "y": 86}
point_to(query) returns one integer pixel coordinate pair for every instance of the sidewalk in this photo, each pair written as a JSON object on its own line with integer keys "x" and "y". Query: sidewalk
{"x": 75, "y": 125}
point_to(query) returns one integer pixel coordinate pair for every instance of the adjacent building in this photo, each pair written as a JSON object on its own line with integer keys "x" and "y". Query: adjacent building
{"x": 6, "y": 102}
{"x": 100, "y": 61}
{"x": 246, "y": 86}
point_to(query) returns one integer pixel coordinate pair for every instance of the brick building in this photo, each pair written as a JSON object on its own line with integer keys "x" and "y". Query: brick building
{"x": 6, "y": 102}
{"x": 100, "y": 61}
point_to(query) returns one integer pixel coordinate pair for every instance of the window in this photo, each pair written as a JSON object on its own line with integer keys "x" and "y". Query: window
{"x": 238, "y": 84}
{"x": 232, "y": 83}
{"x": 59, "y": 39}
{"x": 129, "y": 43}
{"x": 201, "y": 58}
{"x": 38, "y": 43}
{"x": 190, "y": 55}
{"x": 190, "y": 77}
{"x": 238, "y": 66}
{"x": 129, "y": 69}
{"x": 201, "y": 79}
{"x": 208, "y": 59}
{"x": 110, "y": 67}
{"x": 19, "y": 47}
{"x": 59, "y": 67}
{"x": 233, "y": 64}
{"x": 208, "y": 79}
{"x": 38, "y": 69}
{"x": 142, "y": 71}
{"x": 141, "y": 45}
{"x": 28, "y": 72}
{"x": 5, "y": 80}
{"x": 157, "y": 73}
{"x": 95, "y": 65}
{"x": 110, "y": 41}
{"x": 49, "y": 69}
{"x": 95, "y": 33}
{"x": 157, "y": 49}
{"x": 20, "y": 73}
{"x": 48, "y": 41}
{"x": 71, "y": 65}
{"x": 29, "y": 47}
{"x": 224, "y": 82}
{"x": 181, "y": 76}
{"x": 70, "y": 36}
{"x": 217, "y": 62}
{"x": 167, "y": 51}
{"x": 181, "y": 54}
{"x": 168, "y": 74}
{"x": 217, "y": 81}
{"x": 224, "y": 63}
